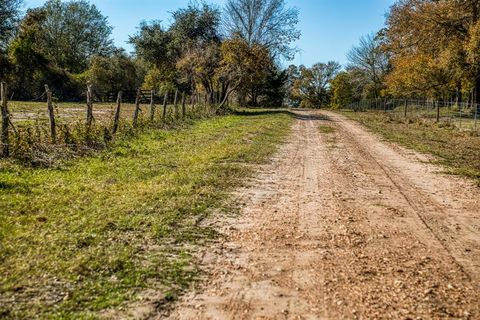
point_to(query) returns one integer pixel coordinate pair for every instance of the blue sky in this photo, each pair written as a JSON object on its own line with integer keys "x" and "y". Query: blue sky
{"x": 329, "y": 27}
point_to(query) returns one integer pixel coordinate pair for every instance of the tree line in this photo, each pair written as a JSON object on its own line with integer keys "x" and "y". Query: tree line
{"x": 428, "y": 49}
{"x": 206, "y": 50}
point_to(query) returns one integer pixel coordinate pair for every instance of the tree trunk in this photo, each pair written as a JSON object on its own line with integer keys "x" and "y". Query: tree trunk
{"x": 227, "y": 95}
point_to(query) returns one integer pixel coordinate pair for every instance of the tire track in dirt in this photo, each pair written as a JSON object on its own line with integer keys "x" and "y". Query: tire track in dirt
{"x": 464, "y": 248}
{"x": 402, "y": 266}
{"x": 325, "y": 234}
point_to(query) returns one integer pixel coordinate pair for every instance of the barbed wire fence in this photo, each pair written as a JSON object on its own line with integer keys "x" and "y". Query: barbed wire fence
{"x": 47, "y": 123}
{"x": 463, "y": 116}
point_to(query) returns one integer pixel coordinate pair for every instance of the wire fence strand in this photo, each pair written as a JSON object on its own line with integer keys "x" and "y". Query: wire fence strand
{"x": 461, "y": 115}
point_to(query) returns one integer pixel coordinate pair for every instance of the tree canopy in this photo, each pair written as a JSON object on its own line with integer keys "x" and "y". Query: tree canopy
{"x": 9, "y": 18}
{"x": 311, "y": 86}
{"x": 428, "y": 49}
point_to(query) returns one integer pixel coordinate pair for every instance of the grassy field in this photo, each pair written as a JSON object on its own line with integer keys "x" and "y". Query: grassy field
{"x": 67, "y": 112}
{"x": 97, "y": 232}
{"x": 457, "y": 150}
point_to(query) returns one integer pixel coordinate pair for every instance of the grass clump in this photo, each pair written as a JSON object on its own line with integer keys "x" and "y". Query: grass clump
{"x": 326, "y": 129}
{"x": 95, "y": 232}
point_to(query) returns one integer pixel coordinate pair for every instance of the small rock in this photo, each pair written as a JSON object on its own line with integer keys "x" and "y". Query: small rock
{"x": 428, "y": 291}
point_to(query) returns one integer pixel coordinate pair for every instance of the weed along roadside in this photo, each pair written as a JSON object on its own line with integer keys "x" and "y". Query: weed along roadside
{"x": 96, "y": 232}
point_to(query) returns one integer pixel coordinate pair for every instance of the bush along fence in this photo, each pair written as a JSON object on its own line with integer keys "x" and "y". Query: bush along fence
{"x": 41, "y": 132}
{"x": 463, "y": 116}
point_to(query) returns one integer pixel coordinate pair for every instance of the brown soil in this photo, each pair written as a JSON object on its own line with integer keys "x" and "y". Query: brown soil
{"x": 344, "y": 225}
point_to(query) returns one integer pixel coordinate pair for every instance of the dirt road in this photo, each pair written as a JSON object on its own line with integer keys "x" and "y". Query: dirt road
{"x": 343, "y": 225}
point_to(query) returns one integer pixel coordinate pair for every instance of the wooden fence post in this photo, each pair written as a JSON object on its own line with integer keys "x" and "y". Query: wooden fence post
{"x": 165, "y": 100}
{"x": 192, "y": 101}
{"x": 438, "y": 111}
{"x": 406, "y": 107}
{"x": 51, "y": 114}
{"x": 184, "y": 111}
{"x": 475, "y": 116}
{"x": 152, "y": 105}
{"x": 5, "y": 120}
{"x": 175, "y": 106}
{"x": 137, "y": 108}
{"x": 116, "y": 119}
{"x": 89, "y": 107}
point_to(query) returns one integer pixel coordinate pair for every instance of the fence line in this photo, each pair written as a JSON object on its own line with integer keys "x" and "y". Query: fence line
{"x": 464, "y": 115}
{"x": 88, "y": 126}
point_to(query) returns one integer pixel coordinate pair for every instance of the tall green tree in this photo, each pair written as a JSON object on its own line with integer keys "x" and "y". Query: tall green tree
{"x": 272, "y": 92}
{"x": 196, "y": 37}
{"x": 114, "y": 73}
{"x": 153, "y": 43}
{"x": 29, "y": 63}
{"x": 243, "y": 66}
{"x": 293, "y": 74}
{"x": 73, "y": 32}
{"x": 343, "y": 89}
{"x": 54, "y": 44}
{"x": 185, "y": 54}
{"x": 9, "y": 18}
{"x": 195, "y": 26}
{"x": 312, "y": 87}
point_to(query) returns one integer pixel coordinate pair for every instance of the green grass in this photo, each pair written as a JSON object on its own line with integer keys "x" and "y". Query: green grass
{"x": 96, "y": 232}
{"x": 458, "y": 151}
{"x": 326, "y": 129}
{"x": 30, "y": 137}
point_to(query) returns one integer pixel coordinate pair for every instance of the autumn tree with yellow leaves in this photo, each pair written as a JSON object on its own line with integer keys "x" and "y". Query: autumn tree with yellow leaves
{"x": 434, "y": 48}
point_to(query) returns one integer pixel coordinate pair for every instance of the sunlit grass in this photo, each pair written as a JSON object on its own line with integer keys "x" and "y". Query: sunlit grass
{"x": 95, "y": 232}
